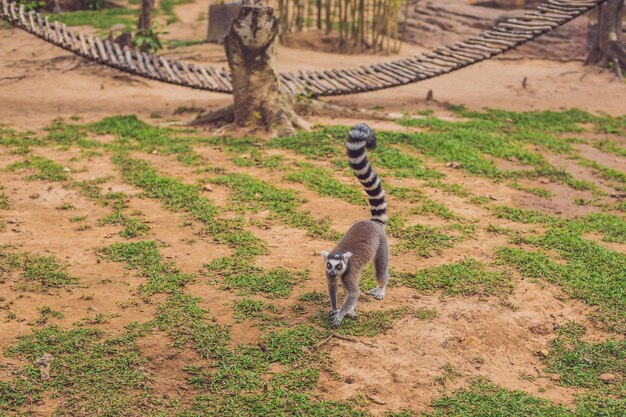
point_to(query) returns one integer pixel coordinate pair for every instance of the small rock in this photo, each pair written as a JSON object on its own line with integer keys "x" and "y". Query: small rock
{"x": 67, "y": 169}
{"x": 2, "y": 299}
{"x": 555, "y": 377}
{"x": 545, "y": 181}
{"x": 607, "y": 378}
{"x": 91, "y": 308}
{"x": 155, "y": 152}
{"x": 12, "y": 221}
{"x": 207, "y": 187}
{"x": 349, "y": 380}
{"x": 454, "y": 165}
{"x": 34, "y": 196}
{"x": 544, "y": 352}
{"x": 513, "y": 159}
{"x": 496, "y": 198}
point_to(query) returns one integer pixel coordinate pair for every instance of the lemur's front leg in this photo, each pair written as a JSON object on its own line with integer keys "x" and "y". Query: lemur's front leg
{"x": 332, "y": 294}
{"x": 351, "y": 286}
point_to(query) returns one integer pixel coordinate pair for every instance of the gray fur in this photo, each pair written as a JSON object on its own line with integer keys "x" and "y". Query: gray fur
{"x": 365, "y": 241}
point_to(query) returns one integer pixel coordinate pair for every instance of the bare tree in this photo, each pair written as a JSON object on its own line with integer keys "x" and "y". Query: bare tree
{"x": 608, "y": 48}
{"x": 260, "y": 99}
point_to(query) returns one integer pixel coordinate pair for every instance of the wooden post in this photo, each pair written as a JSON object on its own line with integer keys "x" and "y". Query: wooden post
{"x": 145, "y": 15}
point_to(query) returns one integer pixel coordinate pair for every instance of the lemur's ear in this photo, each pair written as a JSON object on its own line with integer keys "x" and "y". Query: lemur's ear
{"x": 347, "y": 256}
{"x": 324, "y": 254}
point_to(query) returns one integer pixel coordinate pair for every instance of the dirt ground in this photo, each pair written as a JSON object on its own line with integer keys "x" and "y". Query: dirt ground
{"x": 477, "y": 336}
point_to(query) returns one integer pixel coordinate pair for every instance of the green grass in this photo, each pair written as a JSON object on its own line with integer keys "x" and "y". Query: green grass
{"x": 99, "y": 19}
{"x": 255, "y": 311}
{"x": 482, "y": 398}
{"x": 467, "y": 277}
{"x": 162, "y": 277}
{"x": 90, "y": 372}
{"x": 371, "y": 323}
{"x": 35, "y": 273}
{"x": 251, "y": 194}
{"x": 541, "y": 192}
{"x": 180, "y": 197}
{"x": 44, "y": 169}
{"x": 580, "y": 363}
{"x": 424, "y": 241}
{"x": 241, "y": 274}
{"x": 322, "y": 182}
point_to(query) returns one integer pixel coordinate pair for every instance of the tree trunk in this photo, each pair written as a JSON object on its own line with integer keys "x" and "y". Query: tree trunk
{"x": 260, "y": 100}
{"x": 145, "y": 16}
{"x": 608, "y": 48}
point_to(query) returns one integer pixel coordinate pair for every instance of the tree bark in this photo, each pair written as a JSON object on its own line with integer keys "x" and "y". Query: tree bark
{"x": 260, "y": 100}
{"x": 608, "y": 48}
{"x": 145, "y": 16}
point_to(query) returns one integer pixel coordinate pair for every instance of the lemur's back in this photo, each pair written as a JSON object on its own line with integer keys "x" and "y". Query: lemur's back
{"x": 362, "y": 239}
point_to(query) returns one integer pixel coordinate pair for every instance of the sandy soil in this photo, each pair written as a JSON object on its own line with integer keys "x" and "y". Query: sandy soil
{"x": 478, "y": 336}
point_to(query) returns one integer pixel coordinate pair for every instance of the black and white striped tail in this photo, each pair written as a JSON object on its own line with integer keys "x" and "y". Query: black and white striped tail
{"x": 359, "y": 138}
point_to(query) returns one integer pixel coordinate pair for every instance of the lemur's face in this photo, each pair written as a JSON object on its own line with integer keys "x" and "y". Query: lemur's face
{"x": 336, "y": 263}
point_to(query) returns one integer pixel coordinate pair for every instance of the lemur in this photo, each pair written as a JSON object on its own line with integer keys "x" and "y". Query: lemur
{"x": 365, "y": 240}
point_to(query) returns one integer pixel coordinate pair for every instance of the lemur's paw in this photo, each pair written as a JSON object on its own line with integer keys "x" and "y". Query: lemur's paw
{"x": 352, "y": 314}
{"x": 378, "y": 293}
{"x": 333, "y": 313}
{"x": 336, "y": 321}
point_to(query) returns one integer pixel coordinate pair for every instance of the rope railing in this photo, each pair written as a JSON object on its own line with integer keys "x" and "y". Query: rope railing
{"x": 503, "y": 36}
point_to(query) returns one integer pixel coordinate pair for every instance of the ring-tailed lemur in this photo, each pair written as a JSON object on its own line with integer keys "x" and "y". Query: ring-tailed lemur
{"x": 365, "y": 240}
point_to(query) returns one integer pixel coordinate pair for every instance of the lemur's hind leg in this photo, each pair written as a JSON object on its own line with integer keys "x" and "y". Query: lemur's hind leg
{"x": 381, "y": 270}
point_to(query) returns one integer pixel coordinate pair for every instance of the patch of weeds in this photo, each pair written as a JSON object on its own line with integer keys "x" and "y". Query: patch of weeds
{"x": 325, "y": 143}
{"x": 44, "y": 168}
{"x": 605, "y": 172}
{"x": 371, "y": 323}
{"x": 89, "y": 373}
{"x": 241, "y": 274}
{"x": 449, "y": 188}
{"x": 256, "y": 311}
{"x": 163, "y": 277}
{"x": 248, "y": 193}
{"x": 610, "y": 146}
{"x": 4, "y": 201}
{"x": 45, "y": 314}
{"x": 482, "y": 398}
{"x": 66, "y": 206}
{"x": 322, "y": 182}
{"x": 185, "y": 322}
{"x": 466, "y": 277}
{"x": 293, "y": 345}
{"x": 419, "y": 239}
{"x": 592, "y": 273}
{"x": 77, "y": 219}
{"x": 581, "y": 364}
{"x": 36, "y": 273}
{"x": 177, "y": 196}
{"x": 99, "y": 19}
{"x": 400, "y": 164}
{"x": 541, "y": 192}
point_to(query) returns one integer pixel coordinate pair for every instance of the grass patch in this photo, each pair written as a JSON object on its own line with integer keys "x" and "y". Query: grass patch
{"x": 467, "y": 277}
{"x": 322, "y": 182}
{"x": 482, "y": 398}
{"x": 36, "y": 273}
{"x": 179, "y": 197}
{"x": 371, "y": 323}
{"x": 163, "y": 277}
{"x": 242, "y": 275}
{"x": 250, "y": 194}
{"x": 256, "y": 311}
{"x": 99, "y": 19}
{"x": 581, "y": 363}
{"x": 44, "y": 169}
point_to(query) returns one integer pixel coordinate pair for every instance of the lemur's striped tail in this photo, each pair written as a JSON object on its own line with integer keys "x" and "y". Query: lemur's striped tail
{"x": 359, "y": 138}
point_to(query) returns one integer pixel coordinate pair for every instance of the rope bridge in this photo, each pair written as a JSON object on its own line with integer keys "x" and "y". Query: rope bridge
{"x": 503, "y": 36}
